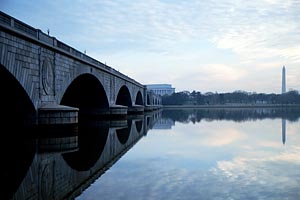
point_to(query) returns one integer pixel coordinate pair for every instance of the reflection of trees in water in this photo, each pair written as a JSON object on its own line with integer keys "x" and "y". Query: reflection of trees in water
{"x": 177, "y": 115}
{"x": 238, "y": 115}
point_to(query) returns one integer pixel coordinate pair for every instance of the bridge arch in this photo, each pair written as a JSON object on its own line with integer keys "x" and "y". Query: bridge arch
{"x": 86, "y": 93}
{"x": 124, "y": 97}
{"x": 156, "y": 100}
{"x": 139, "y": 98}
{"x": 57, "y": 79}
{"x": 16, "y": 106}
{"x": 148, "y": 100}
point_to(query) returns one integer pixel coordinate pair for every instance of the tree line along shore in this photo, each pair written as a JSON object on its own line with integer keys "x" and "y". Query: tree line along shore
{"x": 236, "y": 99}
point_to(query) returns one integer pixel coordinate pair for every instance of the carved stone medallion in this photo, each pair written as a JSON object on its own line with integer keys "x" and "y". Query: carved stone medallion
{"x": 47, "y": 76}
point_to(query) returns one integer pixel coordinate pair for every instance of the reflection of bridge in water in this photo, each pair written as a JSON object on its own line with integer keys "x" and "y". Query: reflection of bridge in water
{"x": 61, "y": 168}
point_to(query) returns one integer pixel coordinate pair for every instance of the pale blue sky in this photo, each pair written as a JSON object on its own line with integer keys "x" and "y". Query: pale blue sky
{"x": 216, "y": 45}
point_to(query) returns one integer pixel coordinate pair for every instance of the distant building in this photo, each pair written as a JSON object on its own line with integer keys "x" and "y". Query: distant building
{"x": 161, "y": 89}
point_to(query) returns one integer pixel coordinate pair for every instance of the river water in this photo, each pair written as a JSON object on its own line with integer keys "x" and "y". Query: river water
{"x": 209, "y": 154}
{"x": 178, "y": 154}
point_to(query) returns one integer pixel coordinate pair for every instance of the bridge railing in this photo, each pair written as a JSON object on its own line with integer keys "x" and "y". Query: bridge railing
{"x": 36, "y": 34}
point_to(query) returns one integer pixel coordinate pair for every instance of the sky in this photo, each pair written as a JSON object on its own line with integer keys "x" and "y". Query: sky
{"x": 206, "y": 46}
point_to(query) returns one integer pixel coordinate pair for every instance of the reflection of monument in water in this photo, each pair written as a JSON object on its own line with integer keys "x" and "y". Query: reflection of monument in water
{"x": 283, "y": 130}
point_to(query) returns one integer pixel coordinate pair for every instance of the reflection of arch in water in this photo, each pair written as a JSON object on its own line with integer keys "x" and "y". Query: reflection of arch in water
{"x": 15, "y": 163}
{"x": 148, "y": 121}
{"x": 138, "y": 121}
{"x": 91, "y": 141}
{"x": 112, "y": 152}
{"x": 139, "y": 125}
{"x": 123, "y": 133}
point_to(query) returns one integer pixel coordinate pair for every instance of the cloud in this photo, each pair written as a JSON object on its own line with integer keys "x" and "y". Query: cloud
{"x": 271, "y": 144}
{"x": 242, "y": 178}
{"x": 220, "y": 72}
{"x": 252, "y": 29}
{"x": 227, "y": 137}
{"x": 260, "y": 30}
{"x": 256, "y": 168}
{"x": 211, "y": 76}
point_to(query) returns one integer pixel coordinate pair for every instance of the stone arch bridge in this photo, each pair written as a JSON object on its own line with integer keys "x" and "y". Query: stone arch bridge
{"x": 45, "y": 81}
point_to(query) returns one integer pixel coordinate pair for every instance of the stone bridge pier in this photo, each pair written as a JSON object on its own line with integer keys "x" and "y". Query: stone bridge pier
{"x": 47, "y": 82}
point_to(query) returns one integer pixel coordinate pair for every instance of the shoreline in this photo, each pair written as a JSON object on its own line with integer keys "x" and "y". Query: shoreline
{"x": 234, "y": 106}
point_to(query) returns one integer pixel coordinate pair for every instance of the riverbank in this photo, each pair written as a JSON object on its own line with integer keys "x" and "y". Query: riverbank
{"x": 234, "y": 106}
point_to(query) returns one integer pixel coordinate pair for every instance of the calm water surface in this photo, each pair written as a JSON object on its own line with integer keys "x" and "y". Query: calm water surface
{"x": 170, "y": 154}
{"x": 194, "y": 154}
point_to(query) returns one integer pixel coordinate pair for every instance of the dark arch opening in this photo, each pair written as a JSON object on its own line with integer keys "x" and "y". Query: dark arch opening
{"x": 139, "y": 99}
{"x": 17, "y": 148}
{"x": 123, "y": 133}
{"x": 123, "y": 97}
{"x": 92, "y": 137}
{"x": 86, "y": 93}
{"x": 17, "y": 109}
{"x": 148, "y": 99}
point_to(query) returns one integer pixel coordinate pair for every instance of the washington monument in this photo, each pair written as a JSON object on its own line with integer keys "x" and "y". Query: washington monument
{"x": 283, "y": 81}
